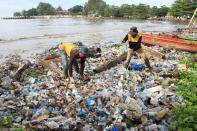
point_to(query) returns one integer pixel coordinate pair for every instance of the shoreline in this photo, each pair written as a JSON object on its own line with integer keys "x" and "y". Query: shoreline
{"x": 169, "y": 19}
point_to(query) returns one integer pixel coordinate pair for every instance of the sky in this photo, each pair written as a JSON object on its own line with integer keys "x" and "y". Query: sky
{"x": 8, "y": 7}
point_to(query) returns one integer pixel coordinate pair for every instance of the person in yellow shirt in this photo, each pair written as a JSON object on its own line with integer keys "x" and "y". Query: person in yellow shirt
{"x": 69, "y": 53}
{"x": 135, "y": 40}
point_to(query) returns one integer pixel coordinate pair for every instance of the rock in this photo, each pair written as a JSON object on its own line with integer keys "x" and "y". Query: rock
{"x": 131, "y": 108}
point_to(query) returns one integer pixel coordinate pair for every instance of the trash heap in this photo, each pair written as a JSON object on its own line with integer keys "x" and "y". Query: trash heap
{"x": 116, "y": 99}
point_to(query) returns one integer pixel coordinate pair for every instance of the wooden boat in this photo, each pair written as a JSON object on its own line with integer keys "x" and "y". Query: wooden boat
{"x": 170, "y": 41}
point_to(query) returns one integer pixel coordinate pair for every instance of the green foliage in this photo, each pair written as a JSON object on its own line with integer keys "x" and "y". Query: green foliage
{"x": 78, "y": 9}
{"x": 183, "y": 8}
{"x": 115, "y": 11}
{"x": 18, "y": 129}
{"x": 187, "y": 86}
{"x": 94, "y": 6}
{"x": 187, "y": 59}
{"x": 59, "y": 8}
{"x": 45, "y": 9}
{"x": 100, "y": 8}
{"x": 141, "y": 11}
{"x": 6, "y": 122}
{"x": 107, "y": 11}
{"x": 24, "y": 13}
{"x": 185, "y": 117}
{"x": 159, "y": 12}
{"x": 17, "y": 14}
{"x": 30, "y": 12}
{"x": 153, "y": 11}
{"x": 126, "y": 10}
{"x": 42, "y": 9}
{"x": 163, "y": 11}
{"x": 34, "y": 73}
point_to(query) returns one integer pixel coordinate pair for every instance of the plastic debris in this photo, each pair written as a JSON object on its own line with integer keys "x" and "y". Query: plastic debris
{"x": 116, "y": 99}
{"x": 52, "y": 125}
{"x": 81, "y": 113}
{"x": 137, "y": 66}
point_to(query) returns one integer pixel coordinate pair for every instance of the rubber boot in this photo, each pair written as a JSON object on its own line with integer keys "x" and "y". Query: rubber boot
{"x": 148, "y": 64}
{"x": 126, "y": 64}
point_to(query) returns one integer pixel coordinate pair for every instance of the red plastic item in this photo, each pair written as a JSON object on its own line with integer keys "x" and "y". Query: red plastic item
{"x": 170, "y": 42}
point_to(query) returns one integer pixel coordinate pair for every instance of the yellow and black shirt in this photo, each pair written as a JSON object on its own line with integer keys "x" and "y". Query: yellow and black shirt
{"x": 134, "y": 42}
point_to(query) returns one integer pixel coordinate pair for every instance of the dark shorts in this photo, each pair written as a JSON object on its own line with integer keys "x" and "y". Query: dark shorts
{"x": 135, "y": 46}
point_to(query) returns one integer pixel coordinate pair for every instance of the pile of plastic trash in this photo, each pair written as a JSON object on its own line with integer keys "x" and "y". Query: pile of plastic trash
{"x": 116, "y": 99}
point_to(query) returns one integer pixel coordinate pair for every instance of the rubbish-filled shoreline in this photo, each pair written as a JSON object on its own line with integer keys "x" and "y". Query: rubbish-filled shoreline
{"x": 115, "y": 99}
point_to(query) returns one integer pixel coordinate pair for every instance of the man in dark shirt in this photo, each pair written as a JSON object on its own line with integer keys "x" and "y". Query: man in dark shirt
{"x": 135, "y": 40}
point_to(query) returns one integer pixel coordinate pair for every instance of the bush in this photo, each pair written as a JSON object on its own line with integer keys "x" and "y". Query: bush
{"x": 185, "y": 117}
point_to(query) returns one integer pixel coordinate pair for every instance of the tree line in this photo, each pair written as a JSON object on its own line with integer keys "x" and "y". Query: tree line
{"x": 183, "y": 8}
{"x": 180, "y": 8}
{"x": 141, "y": 11}
{"x": 41, "y": 9}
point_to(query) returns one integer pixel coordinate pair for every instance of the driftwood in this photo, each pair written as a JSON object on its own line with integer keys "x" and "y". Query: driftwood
{"x": 112, "y": 63}
{"x": 171, "y": 74}
{"x": 52, "y": 56}
{"x": 152, "y": 53}
{"x": 51, "y": 66}
{"x": 149, "y": 53}
{"x": 21, "y": 69}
